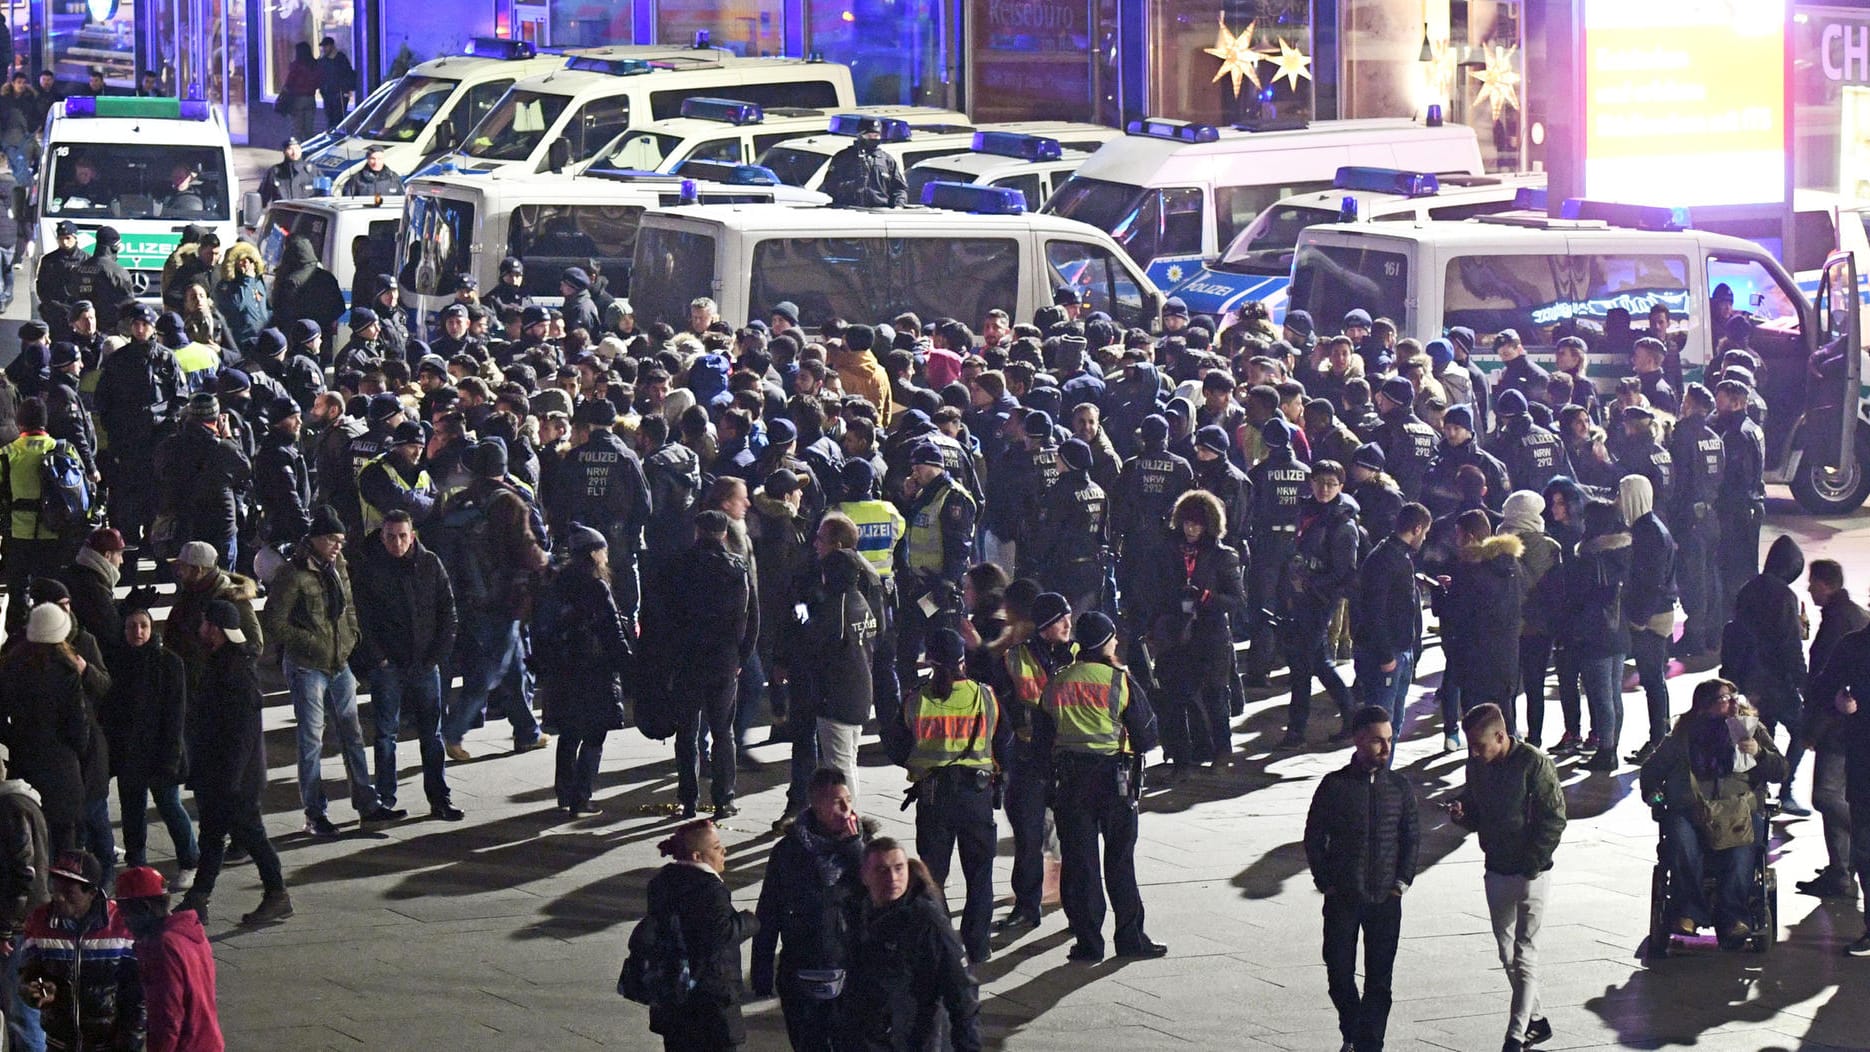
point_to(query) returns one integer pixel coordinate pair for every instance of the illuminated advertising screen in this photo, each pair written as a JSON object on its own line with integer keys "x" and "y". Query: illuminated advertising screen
{"x": 1685, "y": 101}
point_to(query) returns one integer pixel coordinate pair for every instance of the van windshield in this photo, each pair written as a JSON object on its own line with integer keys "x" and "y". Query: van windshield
{"x": 122, "y": 181}
{"x": 1329, "y": 281}
{"x": 513, "y": 129}
{"x": 409, "y": 108}
{"x": 1104, "y": 205}
{"x": 1149, "y": 224}
{"x": 1266, "y": 246}
{"x": 438, "y": 236}
{"x": 671, "y": 268}
{"x": 793, "y": 166}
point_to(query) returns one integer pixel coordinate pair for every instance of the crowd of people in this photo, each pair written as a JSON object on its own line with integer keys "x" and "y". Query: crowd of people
{"x": 1031, "y": 555}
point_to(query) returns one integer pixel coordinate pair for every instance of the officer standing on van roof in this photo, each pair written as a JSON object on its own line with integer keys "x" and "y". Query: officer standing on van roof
{"x": 863, "y": 176}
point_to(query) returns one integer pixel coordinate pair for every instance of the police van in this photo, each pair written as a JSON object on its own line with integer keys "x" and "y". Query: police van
{"x": 1257, "y": 265}
{"x": 1175, "y": 194}
{"x": 728, "y": 131}
{"x": 1597, "y": 276}
{"x": 554, "y": 121}
{"x": 1035, "y": 165}
{"x": 148, "y": 167}
{"x": 333, "y": 225}
{"x": 803, "y": 162}
{"x": 363, "y": 111}
{"x": 466, "y": 224}
{"x": 975, "y": 250}
{"x": 428, "y": 109}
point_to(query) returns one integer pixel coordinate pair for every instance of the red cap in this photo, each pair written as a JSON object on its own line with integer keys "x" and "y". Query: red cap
{"x": 140, "y": 882}
{"x": 105, "y": 540}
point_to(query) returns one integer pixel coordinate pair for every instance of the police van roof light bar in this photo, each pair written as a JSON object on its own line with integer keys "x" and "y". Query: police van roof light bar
{"x": 729, "y": 173}
{"x": 972, "y": 197}
{"x": 1013, "y": 144}
{"x": 894, "y": 129}
{"x": 1386, "y": 181}
{"x": 616, "y": 67}
{"x": 727, "y": 111}
{"x": 499, "y": 47}
{"x": 1634, "y": 217}
{"x": 1177, "y": 131}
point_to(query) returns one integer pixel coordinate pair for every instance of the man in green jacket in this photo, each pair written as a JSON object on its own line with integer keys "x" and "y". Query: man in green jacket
{"x": 311, "y": 614}
{"x": 1514, "y": 801}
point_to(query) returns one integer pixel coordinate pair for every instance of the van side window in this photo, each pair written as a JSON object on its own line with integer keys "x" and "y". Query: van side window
{"x": 1028, "y": 187}
{"x": 1814, "y": 238}
{"x": 1469, "y": 210}
{"x": 955, "y": 276}
{"x": 1181, "y": 222}
{"x": 813, "y": 94}
{"x": 475, "y": 104}
{"x": 1527, "y": 293}
{"x": 727, "y": 150}
{"x": 1236, "y": 207}
{"x": 1100, "y": 277}
{"x": 845, "y": 277}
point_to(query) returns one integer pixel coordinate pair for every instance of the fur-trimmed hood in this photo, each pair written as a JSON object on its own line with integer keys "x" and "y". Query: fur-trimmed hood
{"x": 1608, "y": 542}
{"x": 1498, "y": 546}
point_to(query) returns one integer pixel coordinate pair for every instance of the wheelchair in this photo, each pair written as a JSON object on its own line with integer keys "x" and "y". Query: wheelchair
{"x": 1762, "y": 890}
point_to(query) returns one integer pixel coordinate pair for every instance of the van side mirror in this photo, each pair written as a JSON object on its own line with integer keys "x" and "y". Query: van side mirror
{"x": 445, "y": 137}
{"x": 251, "y": 209}
{"x": 558, "y": 155}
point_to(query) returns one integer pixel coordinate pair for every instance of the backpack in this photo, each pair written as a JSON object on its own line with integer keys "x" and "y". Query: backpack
{"x": 656, "y": 969}
{"x": 459, "y": 539}
{"x": 65, "y": 497}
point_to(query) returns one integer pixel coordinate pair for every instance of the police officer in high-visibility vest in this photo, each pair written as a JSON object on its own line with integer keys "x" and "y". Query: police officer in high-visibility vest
{"x": 880, "y": 530}
{"x": 394, "y": 480}
{"x": 933, "y": 557}
{"x": 1102, "y": 725}
{"x": 1020, "y": 678}
{"x": 952, "y": 726}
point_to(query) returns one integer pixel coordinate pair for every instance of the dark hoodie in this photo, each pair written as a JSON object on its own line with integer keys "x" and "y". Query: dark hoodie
{"x": 1480, "y": 617}
{"x": 1761, "y": 649}
{"x": 303, "y": 289}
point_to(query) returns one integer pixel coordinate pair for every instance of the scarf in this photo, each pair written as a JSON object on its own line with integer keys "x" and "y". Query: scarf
{"x": 93, "y": 559}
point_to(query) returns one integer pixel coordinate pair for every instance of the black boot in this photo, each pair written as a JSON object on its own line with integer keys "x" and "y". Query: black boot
{"x": 275, "y": 906}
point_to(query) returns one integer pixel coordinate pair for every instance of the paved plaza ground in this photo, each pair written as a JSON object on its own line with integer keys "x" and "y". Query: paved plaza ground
{"x": 506, "y": 931}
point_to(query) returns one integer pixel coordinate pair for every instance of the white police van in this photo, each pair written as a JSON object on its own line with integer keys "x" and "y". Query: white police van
{"x": 1035, "y": 165}
{"x": 428, "y": 109}
{"x": 976, "y": 249}
{"x": 728, "y": 131}
{"x": 466, "y": 224}
{"x": 333, "y": 225}
{"x": 554, "y": 121}
{"x": 1258, "y": 264}
{"x": 1175, "y": 194}
{"x": 1597, "y": 275}
{"x": 148, "y": 167}
{"x": 803, "y": 162}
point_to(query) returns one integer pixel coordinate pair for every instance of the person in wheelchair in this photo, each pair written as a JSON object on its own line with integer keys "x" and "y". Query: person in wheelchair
{"x": 1714, "y": 763}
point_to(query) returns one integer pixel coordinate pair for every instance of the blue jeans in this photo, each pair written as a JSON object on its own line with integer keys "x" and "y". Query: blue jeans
{"x": 1688, "y": 864}
{"x": 95, "y": 836}
{"x": 134, "y": 802}
{"x": 1390, "y": 690}
{"x": 489, "y": 653}
{"x": 1603, "y": 689}
{"x": 316, "y": 695}
{"x": 390, "y": 687}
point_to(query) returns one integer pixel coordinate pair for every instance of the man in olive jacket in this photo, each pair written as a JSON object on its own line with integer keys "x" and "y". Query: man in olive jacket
{"x": 311, "y": 613}
{"x": 1514, "y": 801}
{"x": 1361, "y": 837}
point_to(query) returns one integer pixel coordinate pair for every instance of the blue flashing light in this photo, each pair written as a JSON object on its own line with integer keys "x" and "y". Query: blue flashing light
{"x": 732, "y": 174}
{"x": 1013, "y": 144}
{"x": 1635, "y": 217}
{"x": 616, "y": 67}
{"x": 81, "y": 106}
{"x": 690, "y": 194}
{"x": 193, "y": 110}
{"x": 1434, "y": 119}
{"x": 1178, "y": 131}
{"x": 702, "y": 38}
{"x": 323, "y": 185}
{"x": 727, "y": 111}
{"x": 499, "y": 47}
{"x": 894, "y": 130}
{"x": 1531, "y": 199}
{"x": 972, "y": 197}
{"x": 1386, "y": 181}
{"x": 1347, "y": 210}
{"x": 128, "y": 107}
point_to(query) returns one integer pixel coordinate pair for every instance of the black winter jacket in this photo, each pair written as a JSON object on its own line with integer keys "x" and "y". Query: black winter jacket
{"x": 1762, "y": 649}
{"x": 811, "y": 888}
{"x": 93, "y": 604}
{"x": 405, "y": 607}
{"x": 1595, "y": 625}
{"x": 283, "y": 487}
{"x": 905, "y": 967}
{"x": 202, "y": 476}
{"x": 1386, "y": 605}
{"x": 583, "y": 654}
{"x": 1324, "y": 569}
{"x": 227, "y": 750}
{"x": 145, "y": 716}
{"x": 1651, "y": 589}
{"x": 1361, "y": 833}
{"x": 713, "y": 932}
{"x": 47, "y": 730}
{"x": 837, "y": 643}
{"x": 1480, "y": 619}
{"x": 709, "y": 615}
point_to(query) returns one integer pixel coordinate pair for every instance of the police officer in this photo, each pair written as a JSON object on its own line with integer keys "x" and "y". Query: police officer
{"x": 1740, "y": 499}
{"x": 383, "y": 413}
{"x": 1409, "y": 445}
{"x": 53, "y": 281}
{"x": 1279, "y": 485}
{"x": 603, "y": 487}
{"x": 1069, "y": 549}
{"x": 395, "y": 480}
{"x": 934, "y": 556}
{"x": 1700, "y": 464}
{"x": 374, "y": 179}
{"x": 454, "y": 338}
{"x": 1458, "y": 448}
{"x": 1029, "y": 476}
{"x": 511, "y": 291}
{"x": 954, "y": 731}
{"x": 1519, "y": 374}
{"x": 1647, "y": 359}
{"x": 1146, "y": 492}
{"x": 1216, "y": 473}
{"x": 139, "y": 398}
{"x": 282, "y": 484}
{"x": 1320, "y": 574}
{"x": 1533, "y": 456}
{"x": 880, "y": 530}
{"x": 1639, "y": 454}
{"x": 102, "y": 280}
{"x": 292, "y": 178}
{"x": 1020, "y": 678}
{"x": 863, "y": 176}
{"x": 1102, "y": 725}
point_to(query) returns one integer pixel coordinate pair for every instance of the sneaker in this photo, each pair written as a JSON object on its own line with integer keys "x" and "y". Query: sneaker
{"x": 535, "y": 745}
{"x": 274, "y": 907}
{"x": 1642, "y": 755}
{"x": 1451, "y": 743}
{"x": 1513, "y": 1046}
{"x": 235, "y": 856}
{"x": 379, "y": 816}
{"x": 583, "y": 809}
{"x": 1015, "y": 922}
{"x": 1789, "y": 804}
{"x": 320, "y": 827}
{"x": 447, "y": 813}
{"x": 457, "y": 753}
{"x": 1590, "y": 746}
{"x": 1684, "y": 926}
{"x": 1538, "y": 1030}
{"x": 1736, "y": 936}
{"x": 1567, "y": 744}
{"x": 1860, "y": 948}
{"x": 198, "y": 904}
{"x": 184, "y": 879}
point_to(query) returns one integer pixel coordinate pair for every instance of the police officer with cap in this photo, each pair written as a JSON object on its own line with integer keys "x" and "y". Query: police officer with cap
{"x": 511, "y": 291}
{"x": 934, "y": 556}
{"x": 1533, "y": 456}
{"x": 1020, "y": 678}
{"x": 1069, "y": 547}
{"x": 102, "y": 280}
{"x": 52, "y": 282}
{"x": 382, "y": 413}
{"x": 1216, "y": 473}
{"x": 1409, "y": 444}
{"x": 1700, "y": 459}
{"x": 1147, "y": 489}
{"x": 1638, "y": 453}
{"x": 1279, "y": 486}
{"x": 139, "y": 396}
{"x": 574, "y": 283}
{"x": 292, "y": 179}
{"x": 395, "y": 480}
{"x": 1070, "y": 300}
{"x": 282, "y": 482}
{"x": 1740, "y": 499}
{"x": 454, "y": 339}
{"x": 862, "y": 175}
{"x": 1101, "y": 727}
{"x": 602, "y": 486}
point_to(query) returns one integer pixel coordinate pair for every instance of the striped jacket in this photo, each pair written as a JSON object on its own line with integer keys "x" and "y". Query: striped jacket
{"x": 97, "y": 993}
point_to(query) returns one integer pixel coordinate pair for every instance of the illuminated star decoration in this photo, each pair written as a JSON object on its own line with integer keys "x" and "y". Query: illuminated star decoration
{"x": 1499, "y": 81}
{"x": 1440, "y": 70}
{"x": 1292, "y": 64}
{"x": 1238, "y": 59}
